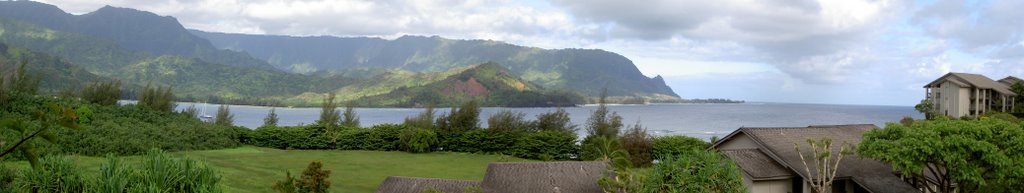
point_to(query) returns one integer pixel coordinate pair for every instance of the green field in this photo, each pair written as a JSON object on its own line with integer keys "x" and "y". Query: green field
{"x": 255, "y": 169}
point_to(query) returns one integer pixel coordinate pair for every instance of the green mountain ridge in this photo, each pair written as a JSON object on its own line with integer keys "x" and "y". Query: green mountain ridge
{"x": 129, "y": 28}
{"x": 490, "y": 83}
{"x": 587, "y": 71}
{"x": 140, "y": 48}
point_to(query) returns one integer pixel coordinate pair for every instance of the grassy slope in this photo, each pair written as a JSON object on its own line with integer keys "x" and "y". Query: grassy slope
{"x": 254, "y": 169}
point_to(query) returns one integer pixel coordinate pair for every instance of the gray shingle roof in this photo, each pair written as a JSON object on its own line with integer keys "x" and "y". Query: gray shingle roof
{"x": 779, "y": 144}
{"x": 544, "y": 177}
{"x": 975, "y": 80}
{"x": 399, "y": 184}
{"x": 758, "y": 165}
{"x": 1009, "y": 80}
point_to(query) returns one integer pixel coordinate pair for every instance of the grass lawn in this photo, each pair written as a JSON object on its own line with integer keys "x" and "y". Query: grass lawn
{"x": 255, "y": 169}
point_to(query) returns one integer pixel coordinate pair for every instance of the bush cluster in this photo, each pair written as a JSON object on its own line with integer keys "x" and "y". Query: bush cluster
{"x": 674, "y": 146}
{"x": 121, "y": 130}
{"x": 158, "y": 172}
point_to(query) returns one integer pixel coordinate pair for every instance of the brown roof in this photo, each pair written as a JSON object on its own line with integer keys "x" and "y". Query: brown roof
{"x": 398, "y": 184}
{"x": 757, "y": 164}
{"x": 975, "y": 80}
{"x": 544, "y": 177}
{"x": 778, "y": 143}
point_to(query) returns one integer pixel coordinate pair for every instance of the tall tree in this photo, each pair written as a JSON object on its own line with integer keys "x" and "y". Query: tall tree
{"x": 271, "y": 119}
{"x": 556, "y": 121}
{"x": 351, "y": 119}
{"x": 952, "y": 155}
{"x": 158, "y": 98}
{"x": 329, "y": 114}
{"x": 102, "y": 93}
{"x": 602, "y": 122}
{"x": 825, "y": 162}
{"x": 508, "y": 121}
{"x": 224, "y": 116}
{"x": 639, "y": 145}
{"x": 425, "y": 120}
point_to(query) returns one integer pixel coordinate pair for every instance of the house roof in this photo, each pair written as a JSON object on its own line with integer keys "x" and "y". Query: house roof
{"x": 779, "y": 144}
{"x": 974, "y": 80}
{"x": 399, "y": 184}
{"x": 544, "y": 177}
{"x": 1009, "y": 80}
{"x": 757, "y": 164}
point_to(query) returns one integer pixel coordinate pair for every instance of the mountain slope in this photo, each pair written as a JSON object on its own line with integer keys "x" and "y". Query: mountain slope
{"x": 191, "y": 78}
{"x": 489, "y": 83}
{"x": 130, "y": 29}
{"x": 582, "y": 70}
{"x": 55, "y": 73}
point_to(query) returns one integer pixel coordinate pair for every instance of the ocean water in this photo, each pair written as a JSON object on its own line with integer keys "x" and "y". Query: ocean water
{"x": 696, "y": 120}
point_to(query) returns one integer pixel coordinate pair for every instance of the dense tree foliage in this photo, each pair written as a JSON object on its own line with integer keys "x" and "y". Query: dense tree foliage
{"x": 424, "y": 120}
{"x": 926, "y": 107}
{"x": 960, "y": 156}
{"x": 313, "y": 180}
{"x": 555, "y": 121}
{"x": 696, "y": 171}
{"x": 102, "y": 93}
{"x": 676, "y": 145}
{"x": 508, "y": 121}
{"x": 1018, "y": 88}
{"x": 157, "y": 98}
{"x": 639, "y": 145}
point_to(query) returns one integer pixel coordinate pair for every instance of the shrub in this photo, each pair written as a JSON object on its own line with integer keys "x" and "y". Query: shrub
{"x": 384, "y": 137}
{"x": 546, "y": 145}
{"x": 674, "y": 146}
{"x": 287, "y": 185}
{"x": 555, "y": 121}
{"x": 482, "y": 141}
{"x": 696, "y": 171}
{"x": 164, "y": 173}
{"x": 159, "y": 98}
{"x": 508, "y": 121}
{"x": 607, "y": 149}
{"x": 57, "y": 174}
{"x": 102, "y": 93}
{"x": 314, "y": 179}
{"x": 416, "y": 140}
{"x": 639, "y": 145}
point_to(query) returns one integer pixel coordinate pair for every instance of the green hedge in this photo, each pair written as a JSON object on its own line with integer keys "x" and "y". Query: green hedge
{"x": 543, "y": 145}
{"x": 675, "y": 146}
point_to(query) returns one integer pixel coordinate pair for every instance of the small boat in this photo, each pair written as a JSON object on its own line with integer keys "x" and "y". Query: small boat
{"x": 204, "y": 115}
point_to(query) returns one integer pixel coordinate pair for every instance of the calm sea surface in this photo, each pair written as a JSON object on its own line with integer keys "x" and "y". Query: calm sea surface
{"x": 697, "y": 120}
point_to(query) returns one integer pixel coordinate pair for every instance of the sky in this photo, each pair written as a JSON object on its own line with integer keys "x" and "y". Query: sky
{"x": 874, "y": 52}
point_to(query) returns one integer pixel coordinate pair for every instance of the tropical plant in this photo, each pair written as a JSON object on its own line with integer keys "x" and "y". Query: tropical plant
{"x": 696, "y": 171}
{"x": 825, "y": 160}
{"x": 288, "y": 185}
{"x": 52, "y": 117}
{"x": 606, "y": 149}
{"x": 927, "y": 107}
{"x": 56, "y": 174}
{"x": 952, "y": 155}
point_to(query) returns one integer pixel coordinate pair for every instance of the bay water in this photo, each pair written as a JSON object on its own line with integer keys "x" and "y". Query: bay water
{"x": 696, "y": 120}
